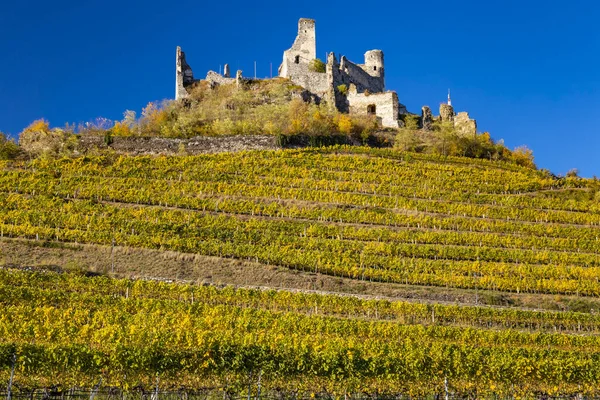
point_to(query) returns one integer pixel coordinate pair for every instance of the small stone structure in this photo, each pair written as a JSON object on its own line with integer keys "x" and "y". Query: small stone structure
{"x": 385, "y": 105}
{"x": 215, "y": 78}
{"x": 239, "y": 80}
{"x": 426, "y": 118}
{"x": 464, "y": 125}
{"x": 446, "y": 112}
{"x": 347, "y": 86}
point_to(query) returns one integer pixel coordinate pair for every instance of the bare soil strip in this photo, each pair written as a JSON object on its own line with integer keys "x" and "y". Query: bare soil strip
{"x": 176, "y": 266}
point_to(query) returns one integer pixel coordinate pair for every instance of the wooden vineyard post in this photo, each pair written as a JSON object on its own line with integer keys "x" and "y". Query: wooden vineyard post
{"x": 112, "y": 256}
{"x": 446, "y": 387}
{"x": 12, "y": 376}
{"x": 95, "y": 389}
{"x": 258, "y": 392}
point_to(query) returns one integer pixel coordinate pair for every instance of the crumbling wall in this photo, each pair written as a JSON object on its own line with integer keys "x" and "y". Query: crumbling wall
{"x": 316, "y": 82}
{"x": 384, "y": 105}
{"x": 464, "y": 125}
{"x": 426, "y": 118}
{"x": 196, "y": 145}
{"x": 446, "y": 112}
{"x": 334, "y": 81}
{"x": 352, "y": 73}
{"x": 214, "y": 78}
{"x": 184, "y": 76}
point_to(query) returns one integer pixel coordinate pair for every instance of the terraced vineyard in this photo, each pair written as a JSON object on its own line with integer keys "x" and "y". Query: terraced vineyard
{"x": 77, "y": 330}
{"x": 359, "y": 214}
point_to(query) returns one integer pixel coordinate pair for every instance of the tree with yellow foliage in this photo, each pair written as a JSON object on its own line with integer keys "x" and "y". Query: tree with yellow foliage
{"x": 523, "y": 156}
{"x": 38, "y": 139}
{"x": 154, "y": 117}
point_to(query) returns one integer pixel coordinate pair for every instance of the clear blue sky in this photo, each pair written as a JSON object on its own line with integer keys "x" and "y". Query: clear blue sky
{"x": 528, "y": 70}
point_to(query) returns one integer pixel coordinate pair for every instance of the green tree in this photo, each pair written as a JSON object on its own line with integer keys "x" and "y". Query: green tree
{"x": 8, "y": 148}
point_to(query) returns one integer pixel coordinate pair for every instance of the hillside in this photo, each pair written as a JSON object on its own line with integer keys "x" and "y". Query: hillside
{"x": 473, "y": 276}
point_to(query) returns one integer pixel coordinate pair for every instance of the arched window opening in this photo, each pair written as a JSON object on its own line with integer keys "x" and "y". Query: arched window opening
{"x": 371, "y": 109}
{"x": 297, "y": 60}
{"x": 375, "y": 68}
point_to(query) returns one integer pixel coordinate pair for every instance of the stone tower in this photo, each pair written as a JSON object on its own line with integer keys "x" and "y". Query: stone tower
{"x": 374, "y": 63}
{"x": 307, "y": 39}
{"x": 302, "y": 52}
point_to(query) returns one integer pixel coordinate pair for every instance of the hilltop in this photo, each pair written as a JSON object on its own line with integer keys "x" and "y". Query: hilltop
{"x": 260, "y": 115}
{"x": 309, "y": 103}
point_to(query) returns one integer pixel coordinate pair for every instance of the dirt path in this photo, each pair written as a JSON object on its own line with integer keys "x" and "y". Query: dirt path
{"x": 175, "y": 266}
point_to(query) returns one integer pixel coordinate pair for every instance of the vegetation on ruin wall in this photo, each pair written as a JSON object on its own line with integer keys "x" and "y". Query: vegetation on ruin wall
{"x": 130, "y": 334}
{"x": 445, "y": 140}
{"x": 317, "y": 65}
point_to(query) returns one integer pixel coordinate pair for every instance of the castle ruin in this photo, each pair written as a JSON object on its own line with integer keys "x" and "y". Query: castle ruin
{"x": 347, "y": 86}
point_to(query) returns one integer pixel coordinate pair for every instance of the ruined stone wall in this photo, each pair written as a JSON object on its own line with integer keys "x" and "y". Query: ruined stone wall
{"x": 184, "y": 76}
{"x": 197, "y": 145}
{"x": 446, "y": 112}
{"x": 426, "y": 118}
{"x": 316, "y": 82}
{"x": 215, "y": 78}
{"x": 297, "y": 59}
{"x": 352, "y": 73}
{"x": 386, "y": 106}
{"x": 464, "y": 125}
{"x": 334, "y": 80}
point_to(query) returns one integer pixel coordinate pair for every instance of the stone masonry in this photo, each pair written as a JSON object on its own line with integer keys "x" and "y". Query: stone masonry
{"x": 296, "y": 60}
{"x": 464, "y": 125}
{"x": 384, "y": 105}
{"x": 446, "y": 112}
{"x": 184, "y": 76}
{"x": 216, "y": 78}
{"x": 426, "y": 118}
